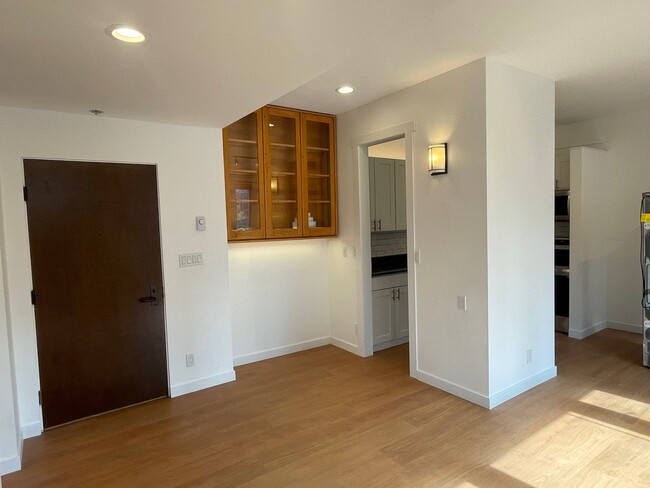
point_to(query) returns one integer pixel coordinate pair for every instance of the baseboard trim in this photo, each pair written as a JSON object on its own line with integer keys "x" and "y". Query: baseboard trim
{"x": 581, "y": 334}
{"x": 636, "y": 328}
{"x": 9, "y": 465}
{"x": 453, "y": 388}
{"x": 519, "y": 388}
{"x": 201, "y": 384}
{"x": 346, "y": 346}
{"x": 392, "y": 343}
{"x": 280, "y": 351}
{"x": 31, "y": 430}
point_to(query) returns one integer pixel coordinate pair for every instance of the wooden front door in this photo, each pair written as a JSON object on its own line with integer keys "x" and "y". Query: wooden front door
{"x": 96, "y": 269}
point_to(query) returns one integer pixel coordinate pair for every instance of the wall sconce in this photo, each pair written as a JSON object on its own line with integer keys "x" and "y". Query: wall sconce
{"x": 438, "y": 159}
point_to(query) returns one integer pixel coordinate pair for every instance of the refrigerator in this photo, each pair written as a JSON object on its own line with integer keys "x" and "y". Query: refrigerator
{"x": 645, "y": 273}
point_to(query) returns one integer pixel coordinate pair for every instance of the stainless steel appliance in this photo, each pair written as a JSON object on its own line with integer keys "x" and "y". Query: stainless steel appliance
{"x": 645, "y": 273}
{"x": 562, "y": 205}
{"x": 562, "y": 273}
{"x": 562, "y": 254}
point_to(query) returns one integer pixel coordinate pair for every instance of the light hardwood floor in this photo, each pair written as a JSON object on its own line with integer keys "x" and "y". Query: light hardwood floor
{"x": 326, "y": 418}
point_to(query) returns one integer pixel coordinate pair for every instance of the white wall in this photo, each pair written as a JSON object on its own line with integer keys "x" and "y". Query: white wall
{"x": 588, "y": 256}
{"x": 618, "y": 187}
{"x": 449, "y": 225}
{"x": 389, "y": 150}
{"x": 10, "y": 437}
{"x": 520, "y": 228}
{"x": 280, "y": 297}
{"x": 190, "y": 183}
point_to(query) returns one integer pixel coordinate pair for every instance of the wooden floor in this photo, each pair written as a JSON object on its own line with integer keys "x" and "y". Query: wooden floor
{"x": 326, "y": 418}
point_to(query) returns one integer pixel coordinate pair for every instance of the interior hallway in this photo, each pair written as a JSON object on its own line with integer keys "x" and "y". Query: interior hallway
{"x": 328, "y": 418}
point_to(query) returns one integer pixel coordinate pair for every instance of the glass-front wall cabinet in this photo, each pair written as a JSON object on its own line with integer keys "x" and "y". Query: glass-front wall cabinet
{"x": 281, "y": 175}
{"x": 243, "y": 157}
{"x": 319, "y": 209}
{"x": 282, "y": 157}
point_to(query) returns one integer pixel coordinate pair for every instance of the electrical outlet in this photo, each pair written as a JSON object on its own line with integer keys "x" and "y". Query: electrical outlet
{"x": 189, "y": 360}
{"x": 461, "y": 303}
{"x": 529, "y": 356}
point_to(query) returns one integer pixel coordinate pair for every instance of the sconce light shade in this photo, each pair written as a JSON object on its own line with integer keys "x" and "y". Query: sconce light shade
{"x": 438, "y": 159}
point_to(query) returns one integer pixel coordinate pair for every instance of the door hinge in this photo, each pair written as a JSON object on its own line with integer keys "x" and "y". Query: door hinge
{"x": 40, "y": 398}
{"x": 25, "y": 193}
{"x": 33, "y": 297}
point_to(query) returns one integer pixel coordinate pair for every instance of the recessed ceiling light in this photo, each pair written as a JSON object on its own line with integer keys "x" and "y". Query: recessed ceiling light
{"x": 125, "y": 33}
{"x": 344, "y": 90}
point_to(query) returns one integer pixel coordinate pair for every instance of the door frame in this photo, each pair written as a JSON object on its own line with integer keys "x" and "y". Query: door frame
{"x": 364, "y": 270}
{"x": 162, "y": 261}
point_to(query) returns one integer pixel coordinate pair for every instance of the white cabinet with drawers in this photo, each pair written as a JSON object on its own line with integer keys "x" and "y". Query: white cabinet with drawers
{"x": 390, "y": 310}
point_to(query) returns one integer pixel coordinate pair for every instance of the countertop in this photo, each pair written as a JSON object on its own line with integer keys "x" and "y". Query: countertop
{"x": 384, "y": 265}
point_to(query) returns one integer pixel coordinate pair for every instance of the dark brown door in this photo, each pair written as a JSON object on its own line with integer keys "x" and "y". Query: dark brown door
{"x": 95, "y": 248}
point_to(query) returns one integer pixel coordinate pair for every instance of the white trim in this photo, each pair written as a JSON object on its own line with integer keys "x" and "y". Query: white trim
{"x": 280, "y": 351}
{"x": 9, "y": 465}
{"x": 31, "y": 430}
{"x": 346, "y": 346}
{"x": 393, "y": 342}
{"x": 201, "y": 384}
{"x": 519, "y": 388}
{"x": 582, "y": 333}
{"x": 453, "y": 388}
{"x": 636, "y": 328}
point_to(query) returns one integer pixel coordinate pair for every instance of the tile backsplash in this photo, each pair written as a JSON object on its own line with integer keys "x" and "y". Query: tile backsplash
{"x": 388, "y": 243}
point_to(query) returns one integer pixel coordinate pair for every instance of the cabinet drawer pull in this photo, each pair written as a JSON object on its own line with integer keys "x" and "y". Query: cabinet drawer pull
{"x": 374, "y": 224}
{"x": 393, "y": 293}
{"x": 398, "y": 294}
{"x": 379, "y": 224}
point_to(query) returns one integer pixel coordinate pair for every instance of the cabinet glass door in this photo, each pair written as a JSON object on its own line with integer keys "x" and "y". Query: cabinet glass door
{"x": 283, "y": 172}
{"x": 244, "y": 177}
{"x": 319, "y": 176}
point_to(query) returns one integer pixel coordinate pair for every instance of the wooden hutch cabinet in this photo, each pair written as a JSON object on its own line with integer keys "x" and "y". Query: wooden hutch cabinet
{"x": 280, "y": 167}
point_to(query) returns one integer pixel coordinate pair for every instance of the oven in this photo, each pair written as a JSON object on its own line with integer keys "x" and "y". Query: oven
{"x": 562, "y": 250}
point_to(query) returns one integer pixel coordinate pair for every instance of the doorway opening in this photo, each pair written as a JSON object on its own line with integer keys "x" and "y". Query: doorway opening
{"x": 388, "y": 299}
{"x": 388, "y": 243}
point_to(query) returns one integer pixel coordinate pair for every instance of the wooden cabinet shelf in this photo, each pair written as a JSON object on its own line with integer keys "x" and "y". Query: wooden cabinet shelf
{"x": 241, "y": 141}
{"x": 280, "y": 172}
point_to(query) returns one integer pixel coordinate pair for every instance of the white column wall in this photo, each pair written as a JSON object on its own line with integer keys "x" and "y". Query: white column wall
{"x": 520, "y": 228}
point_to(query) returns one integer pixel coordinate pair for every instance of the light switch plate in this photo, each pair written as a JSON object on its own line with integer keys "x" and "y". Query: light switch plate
{"x": 190, "y": 259}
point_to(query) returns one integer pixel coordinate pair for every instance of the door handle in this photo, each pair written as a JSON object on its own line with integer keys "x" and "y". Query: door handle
{"x": 153, "y": 295}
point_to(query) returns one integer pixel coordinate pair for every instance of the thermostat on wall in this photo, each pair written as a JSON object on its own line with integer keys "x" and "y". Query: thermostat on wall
{"x": 200, "y": 223}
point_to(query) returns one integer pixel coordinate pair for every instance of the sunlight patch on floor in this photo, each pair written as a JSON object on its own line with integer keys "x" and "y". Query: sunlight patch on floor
{"x": 577, "y": 449}
{"x": 617, "y": 403}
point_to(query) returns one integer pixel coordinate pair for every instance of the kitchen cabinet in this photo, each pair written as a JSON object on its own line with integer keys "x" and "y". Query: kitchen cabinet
{"x": 390, "y": 311}
{"x": 387, "y": 194}
{"x": 244, "y": 177}
{"x": 280, "y": 173}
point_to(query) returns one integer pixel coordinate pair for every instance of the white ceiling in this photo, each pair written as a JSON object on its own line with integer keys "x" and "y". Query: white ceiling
{"x": 209, "y": 62}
